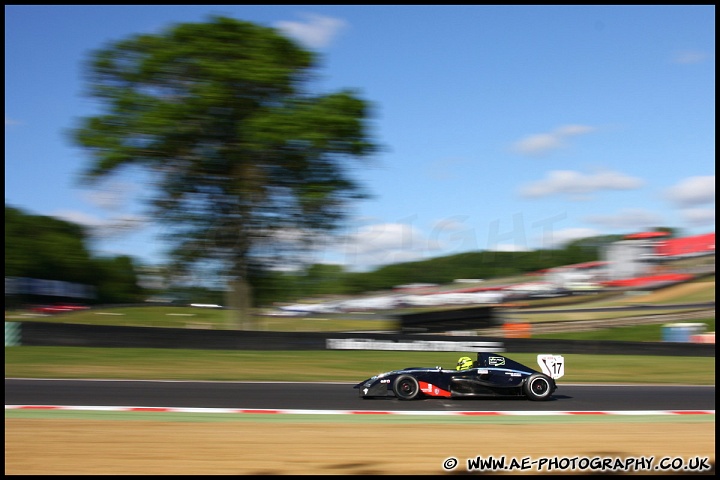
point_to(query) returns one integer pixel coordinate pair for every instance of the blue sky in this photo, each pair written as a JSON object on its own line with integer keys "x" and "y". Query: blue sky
{"x": 503, "y": 127}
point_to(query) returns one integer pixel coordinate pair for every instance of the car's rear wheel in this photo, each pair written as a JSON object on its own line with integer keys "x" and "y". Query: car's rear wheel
{"x": 406, "y": 387}
{"x": 538, "y": 387}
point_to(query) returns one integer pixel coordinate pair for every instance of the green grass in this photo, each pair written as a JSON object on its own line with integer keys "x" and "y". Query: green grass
{"x": 344, "y": 366}
{"x": 208, "y": 318}
{"x": 325, "y": 366}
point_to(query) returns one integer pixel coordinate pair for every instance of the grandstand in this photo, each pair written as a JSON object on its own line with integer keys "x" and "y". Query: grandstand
{"x": 695, "y": 246}
{"x": 652, "y": 259}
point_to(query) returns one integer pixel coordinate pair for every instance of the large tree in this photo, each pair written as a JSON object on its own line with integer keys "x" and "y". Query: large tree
{"x": 242, "y": 152}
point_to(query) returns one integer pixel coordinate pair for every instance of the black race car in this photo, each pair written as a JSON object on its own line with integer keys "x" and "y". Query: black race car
{"x": 492, "y": 375}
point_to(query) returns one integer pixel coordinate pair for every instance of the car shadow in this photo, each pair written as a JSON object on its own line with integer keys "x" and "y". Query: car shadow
{"x": 508, "y": 398}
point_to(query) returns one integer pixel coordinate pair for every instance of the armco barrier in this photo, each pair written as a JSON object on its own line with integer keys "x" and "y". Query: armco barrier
{"x": 73, "y": 335}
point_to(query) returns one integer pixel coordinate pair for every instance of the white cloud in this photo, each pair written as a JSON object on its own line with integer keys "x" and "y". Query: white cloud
{"x": 572, "y": 130}
{"x": 122, "y": 225}
{"x": 558, "y": 238}
{"x": 570, "y": 182}
{"x": 699, "y": 217}
{"x": 380, "y": 237}
{"x": 376, "y": 245}
{"x": 316, "y": 32}
{"x": 9, "y": 122}
{"x": 688, "y": 57}
{"x": 446, "y": 168}
{"x": 451, "y": 224}
{"x": 79, "y": 218}
{"x": 452, "y": 235}
{"x": 508, "y": 247}
{"x": 633, "y": 219}
{"x": 541, "y": 143}
{"x": 383, "y": 244}
{"x": 693, "y": 191}
{"x": 389, "y": 243}
{"x": 537, "y": 144}
{"x": 113, "y": 196}
{"x": 105, "y": 229}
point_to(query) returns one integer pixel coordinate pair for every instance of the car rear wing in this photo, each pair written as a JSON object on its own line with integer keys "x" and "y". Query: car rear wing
{"x": 552, "y": 365}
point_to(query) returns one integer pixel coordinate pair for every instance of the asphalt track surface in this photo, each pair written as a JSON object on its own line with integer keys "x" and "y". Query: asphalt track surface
{"x": 341, "y": 396}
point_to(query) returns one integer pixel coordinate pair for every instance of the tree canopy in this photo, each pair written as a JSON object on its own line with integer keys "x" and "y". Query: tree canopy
{"x": 243, "y": 155}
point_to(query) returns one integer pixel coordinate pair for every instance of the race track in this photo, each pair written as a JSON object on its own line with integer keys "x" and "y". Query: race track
{"x": 341, "y": 396}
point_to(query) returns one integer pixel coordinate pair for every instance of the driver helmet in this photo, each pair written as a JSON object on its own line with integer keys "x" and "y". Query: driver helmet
{"x": 464, "y": 363}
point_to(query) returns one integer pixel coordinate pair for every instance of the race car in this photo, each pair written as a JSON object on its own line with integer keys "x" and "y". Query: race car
{"x": 491, "y": 375}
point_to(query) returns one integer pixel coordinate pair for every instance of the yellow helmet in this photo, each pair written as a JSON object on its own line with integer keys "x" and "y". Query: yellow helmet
{"x": 464, "y": 363}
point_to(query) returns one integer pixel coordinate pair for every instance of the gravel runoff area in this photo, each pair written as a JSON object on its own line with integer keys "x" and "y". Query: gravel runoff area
{"x": 140, "y": 447}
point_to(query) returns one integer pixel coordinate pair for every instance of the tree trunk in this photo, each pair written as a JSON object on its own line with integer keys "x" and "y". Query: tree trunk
{"x": 239, "y": 303}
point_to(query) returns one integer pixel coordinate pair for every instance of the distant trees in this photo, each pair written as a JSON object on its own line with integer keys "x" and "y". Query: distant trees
{"x": 46, "y": 248}
{"x": 117, "y": 280}
{"x": 37, "y": 246}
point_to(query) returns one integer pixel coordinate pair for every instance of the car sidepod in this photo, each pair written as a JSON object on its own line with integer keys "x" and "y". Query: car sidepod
{"x": 407, "y": 384}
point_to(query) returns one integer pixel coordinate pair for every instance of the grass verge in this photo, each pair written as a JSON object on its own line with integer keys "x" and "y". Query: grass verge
{"x": 325, "y": 366}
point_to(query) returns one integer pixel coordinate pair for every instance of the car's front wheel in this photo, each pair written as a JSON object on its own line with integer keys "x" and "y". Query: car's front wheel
{"x": 538, "y": 387}
{"x": 406, "y": 387}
